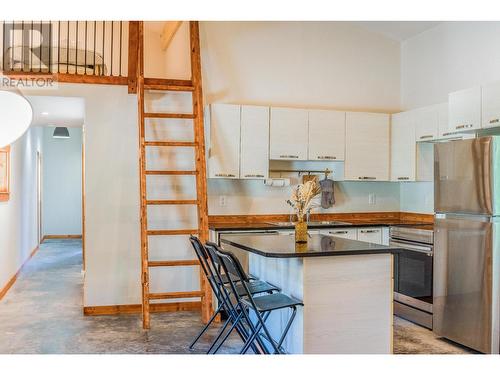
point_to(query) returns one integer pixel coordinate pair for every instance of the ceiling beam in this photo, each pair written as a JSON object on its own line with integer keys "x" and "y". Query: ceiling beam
{"x": 168, "y": 32}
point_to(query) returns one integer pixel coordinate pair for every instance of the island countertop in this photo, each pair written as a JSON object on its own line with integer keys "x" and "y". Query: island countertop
{"x": 318, "y": 245}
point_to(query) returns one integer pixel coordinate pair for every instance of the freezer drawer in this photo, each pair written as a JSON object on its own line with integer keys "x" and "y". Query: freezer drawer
{"x": 466, "y": 281}
{"x": 464, "y": 176}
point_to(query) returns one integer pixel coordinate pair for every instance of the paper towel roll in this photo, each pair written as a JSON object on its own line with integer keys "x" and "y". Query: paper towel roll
{"x": 277, "y": 182}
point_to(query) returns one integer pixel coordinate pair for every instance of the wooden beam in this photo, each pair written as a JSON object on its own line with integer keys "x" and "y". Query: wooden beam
{"x": 207, "y": 307}
{"x": 133, "y": 47}
{"x": 168, "y": 33}
{"x": 61, "y": 236}
{"x": 136, "y": 309}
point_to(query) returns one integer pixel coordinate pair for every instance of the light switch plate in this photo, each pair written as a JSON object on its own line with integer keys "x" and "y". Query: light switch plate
{"x": 222, "y": 201}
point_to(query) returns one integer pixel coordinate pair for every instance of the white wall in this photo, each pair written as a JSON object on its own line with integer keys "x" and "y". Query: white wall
{"x": 446, "y": 58}
{"x": 62, "y": 183}
{"x": 18, "y": 221}
{"x": 297, "y": 64}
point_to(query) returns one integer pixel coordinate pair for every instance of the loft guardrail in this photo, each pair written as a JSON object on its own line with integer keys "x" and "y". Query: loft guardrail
{"x": 78, "y": 48}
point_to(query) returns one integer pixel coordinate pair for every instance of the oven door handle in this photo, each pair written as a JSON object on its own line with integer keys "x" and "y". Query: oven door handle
{"x": 412, "y": 247}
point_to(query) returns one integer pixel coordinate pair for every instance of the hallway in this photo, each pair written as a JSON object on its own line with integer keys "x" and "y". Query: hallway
{"x": 42, "y": 314}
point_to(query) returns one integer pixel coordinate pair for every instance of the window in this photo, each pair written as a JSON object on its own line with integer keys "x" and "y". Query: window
{"x": 4, "y": 173}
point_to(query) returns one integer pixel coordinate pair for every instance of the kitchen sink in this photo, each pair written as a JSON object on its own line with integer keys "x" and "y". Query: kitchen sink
{"x": 315, "y": 223}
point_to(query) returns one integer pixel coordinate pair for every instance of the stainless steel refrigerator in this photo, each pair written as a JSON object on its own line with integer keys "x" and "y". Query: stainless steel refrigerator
{"x": 466, "y": 303}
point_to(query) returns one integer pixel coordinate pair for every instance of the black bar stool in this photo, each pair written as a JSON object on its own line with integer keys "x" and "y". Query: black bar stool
{"x": 261, "y": 305}
{"x": 216, "y": 281}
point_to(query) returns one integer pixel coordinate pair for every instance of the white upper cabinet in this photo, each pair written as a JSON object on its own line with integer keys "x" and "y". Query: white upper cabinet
{"x": 491, "y": 105}
{"x": 444, "y": 131}
{"x": 367, "y": 146}
{"x": 465, "y": 109}
{"x": 326, "y": 135}
{"x": 426, "y": 123}
{"x": 288, "y": 134}
{"x": 254, "y": 158}
{"x": 403, "y": 146}
{"x": 224, "y": 154}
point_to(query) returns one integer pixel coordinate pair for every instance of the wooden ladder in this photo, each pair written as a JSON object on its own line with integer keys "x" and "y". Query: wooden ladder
{"x": 195, "y": 87}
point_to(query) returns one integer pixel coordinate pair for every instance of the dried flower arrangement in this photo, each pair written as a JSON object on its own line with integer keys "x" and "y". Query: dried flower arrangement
{"x": 302, "y": 198}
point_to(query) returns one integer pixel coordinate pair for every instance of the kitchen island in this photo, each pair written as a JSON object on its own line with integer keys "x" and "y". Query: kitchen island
{"x": 346, "y": 287}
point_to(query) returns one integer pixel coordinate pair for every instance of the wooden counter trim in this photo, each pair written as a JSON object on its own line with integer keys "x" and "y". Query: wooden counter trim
{"x": 13, "y": 279}
{"x": 137, "y": 308}
{"x": 382, "y": 217}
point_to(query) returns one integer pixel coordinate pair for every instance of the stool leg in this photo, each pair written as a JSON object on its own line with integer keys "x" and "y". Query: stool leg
{"x": 193, "y": 343}
{"x": 236, "y": 322}
{"x": 288, "y": 325}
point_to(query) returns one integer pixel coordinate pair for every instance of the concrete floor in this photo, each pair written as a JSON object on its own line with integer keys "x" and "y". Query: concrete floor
{"x": 42, "y": 313}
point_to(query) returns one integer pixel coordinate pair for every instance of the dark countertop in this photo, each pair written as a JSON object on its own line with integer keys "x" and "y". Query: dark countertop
{"x": 284, "y": 246}
{"x": 221, "y": 227}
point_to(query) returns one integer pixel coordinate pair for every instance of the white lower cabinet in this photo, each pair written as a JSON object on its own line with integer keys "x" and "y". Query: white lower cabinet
{"x": 370, "y": 234}
{"x": 349, "y": 233}
{"x": 367, "y": 150}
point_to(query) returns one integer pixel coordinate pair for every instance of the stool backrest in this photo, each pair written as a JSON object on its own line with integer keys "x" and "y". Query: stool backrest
{"x": 230, "y": 262}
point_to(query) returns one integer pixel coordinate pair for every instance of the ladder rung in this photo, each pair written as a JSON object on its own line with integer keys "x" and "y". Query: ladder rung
{"x": 171, "y": 201}
{"x": 166, "y": 173}
{"x": 171, "y": 232}
{"x": 168, "y": 143}
{"x": 168, "y": 84}
{"x": 173, "y": 263}
{"x": 162, "y": 87}
{"x": 175, "y": 295}
{"x": 169, "y": 115}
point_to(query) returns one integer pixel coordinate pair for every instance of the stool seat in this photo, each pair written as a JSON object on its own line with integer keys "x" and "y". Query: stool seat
{"x": 272, "y": 302}
{"x": 256, "y": 287}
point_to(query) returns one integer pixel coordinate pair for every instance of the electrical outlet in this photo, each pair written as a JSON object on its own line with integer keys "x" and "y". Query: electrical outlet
{"x": 372, "y": 199}
{"x": 222, "y": 201}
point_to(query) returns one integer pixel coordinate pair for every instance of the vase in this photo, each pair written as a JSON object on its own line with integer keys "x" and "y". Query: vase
{"x": 301, "y": 232}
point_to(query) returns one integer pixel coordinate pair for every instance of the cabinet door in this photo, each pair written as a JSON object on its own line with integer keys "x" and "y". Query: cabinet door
{"x": 465, "y": 109}
{"x": 224, "y": 154}
{"x": 403, "y": 146}
{"x": 444, "y": 131}
{"x": 254, "y": 158}
{"x": 491, "y": 105}
{"x": 350, "y": 234}
{"x": 426, "y": 123}
{"x": 288, "y": 134}
{"x": 367, "y": 146}
{"x": 373, "y": 235}
{"x": 326, "y": 135}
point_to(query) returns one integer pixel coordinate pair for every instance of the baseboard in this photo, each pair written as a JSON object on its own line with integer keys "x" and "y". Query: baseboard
{"x": 137, "y": 308}
{"x": 13, "y": 279}
{"x": 61, "y": 237}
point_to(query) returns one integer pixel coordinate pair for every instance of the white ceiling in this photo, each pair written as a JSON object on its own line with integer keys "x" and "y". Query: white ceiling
{"x": 398, "y": 30}
{"x": 57, "y": 111}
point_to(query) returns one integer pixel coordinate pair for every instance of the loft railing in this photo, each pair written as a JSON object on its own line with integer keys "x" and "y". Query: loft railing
{"x": 78, "y": 51}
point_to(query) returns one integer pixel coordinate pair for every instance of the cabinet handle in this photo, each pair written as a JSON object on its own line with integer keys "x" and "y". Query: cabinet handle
{"x": 494, "y": 121}
{"x": 403, "y": 178}
{"x": 254, "y": 175}
{"x": 447, "y": 134}
{"x": 366, "y": 178}
{"x": 224, "y": 175}
{"x": 339, "y": 232}
{"x": 370, "y": 231}
{"x": 465, "y": 126}
{"x": 327, "y": 157}
{"x": 426, "y": 136}
{"x": 289, "y": 156}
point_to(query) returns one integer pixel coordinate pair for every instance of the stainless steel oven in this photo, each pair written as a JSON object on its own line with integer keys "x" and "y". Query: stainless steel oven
{"x": 413, "y": 273}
